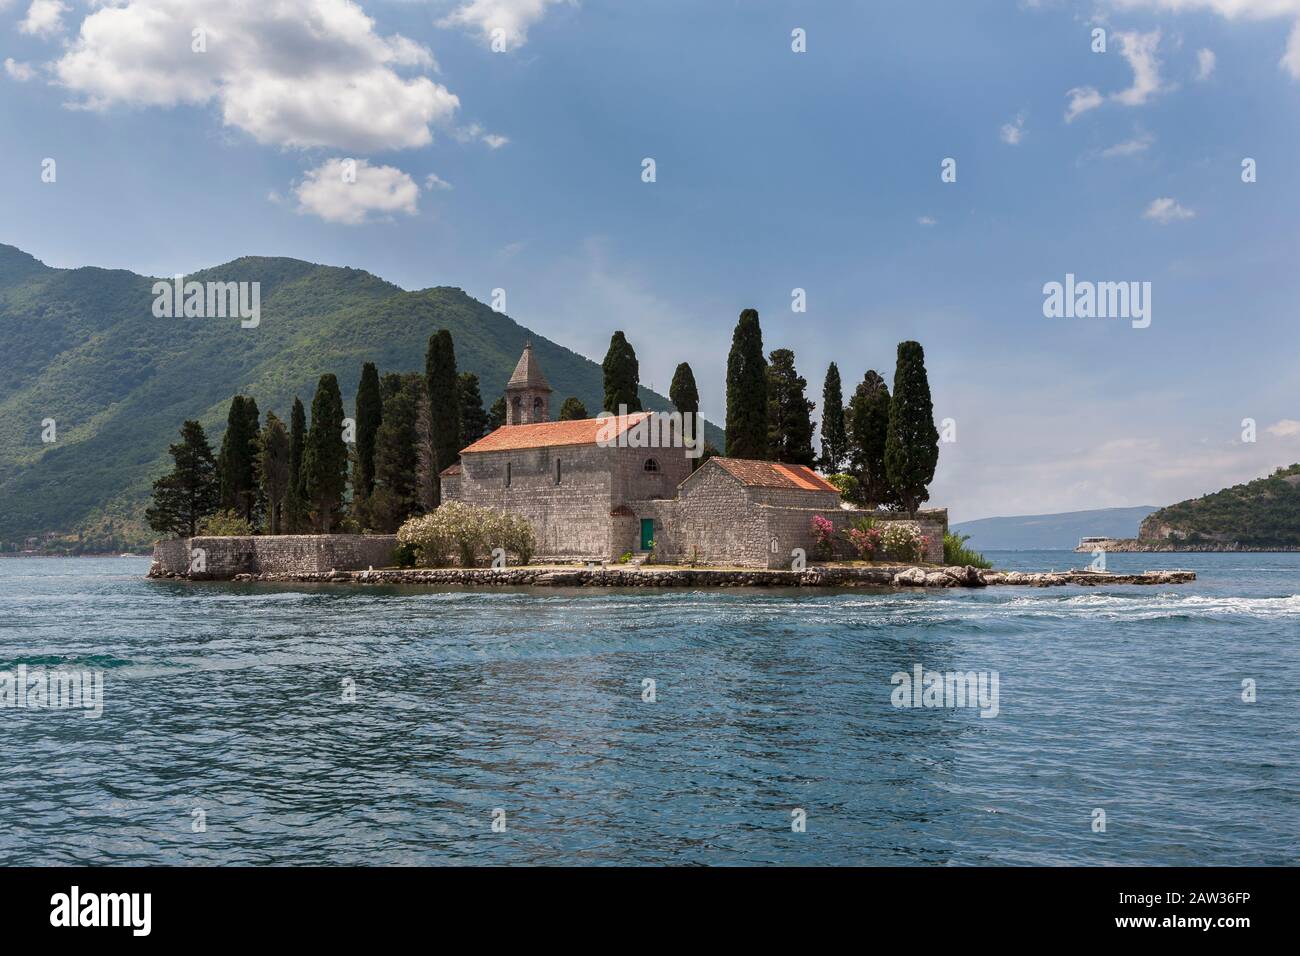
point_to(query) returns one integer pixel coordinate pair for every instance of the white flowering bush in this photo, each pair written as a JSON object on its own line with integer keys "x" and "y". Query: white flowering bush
{"x": 903, "y": 541}
{"x": 468, "y": 532}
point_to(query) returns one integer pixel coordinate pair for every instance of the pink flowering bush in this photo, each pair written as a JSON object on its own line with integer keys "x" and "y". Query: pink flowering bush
{"x": 822, "y": 531}
{"x": 865, "y": 542}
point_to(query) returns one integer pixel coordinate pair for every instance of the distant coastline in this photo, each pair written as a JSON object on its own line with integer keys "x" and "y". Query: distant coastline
{"x": 1138, "y": 545}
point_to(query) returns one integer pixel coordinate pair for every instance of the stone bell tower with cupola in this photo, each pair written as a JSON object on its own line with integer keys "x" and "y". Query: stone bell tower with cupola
{"x": 528, "y": 394}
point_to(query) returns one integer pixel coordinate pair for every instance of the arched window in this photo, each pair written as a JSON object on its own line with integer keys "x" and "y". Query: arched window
{"x": 518, "y": 405}
{"x": 651, "y": 465}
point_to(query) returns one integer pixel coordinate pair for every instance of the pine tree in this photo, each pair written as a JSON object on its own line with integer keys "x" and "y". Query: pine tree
{"x": 868, "y": 427}
{"x": 572, "y": 410}
{"x": 496, "y": 414}
{"x": 396, "y": 494}
{"x": 294, "y": 499}
{"x": 273, "y": 469}
{"x": 473, "y": 420}
{"x": 912, "y": 446}
{"x": 191, "y": 492}
{"x": 441, "y": 381}
{"x": 622, "y": 376}
{"x": 370, "y": 412}
{"x": 834, "y": 439}
{"x": 747, "y": 390}
{"x": 325, "y": 456}
{"x": 236, "y": 465}
{"x": 789, "y": 425}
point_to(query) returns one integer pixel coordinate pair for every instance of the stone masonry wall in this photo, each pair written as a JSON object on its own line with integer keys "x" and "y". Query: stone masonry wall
{"x": 224, "y": 557}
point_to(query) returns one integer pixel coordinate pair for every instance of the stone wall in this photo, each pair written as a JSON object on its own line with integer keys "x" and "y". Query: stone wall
{"x": 224, "y": 557}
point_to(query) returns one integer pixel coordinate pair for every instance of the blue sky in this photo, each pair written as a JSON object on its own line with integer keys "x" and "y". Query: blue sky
{"x": 775, "y": 170}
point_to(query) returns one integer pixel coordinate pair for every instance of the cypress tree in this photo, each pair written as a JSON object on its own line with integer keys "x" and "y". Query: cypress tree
{"x": 294, "y": 499}
{"x": 868, "y": 427}
{"x": 496, "y": 414}
{"x": 236, "y": 464}
{"x": 442, "y": 384}
{"x": 273, "y": 470}
{"x": 834, "y": 439}
{"x": 396, "y": 492}
{"x": 370, "y": 412}
{"x": 473, "y": 420}
{"x": 747, "y": 390}
{"x": 254, "y": 501}
{"x": 572, "y": 410}
{"x": 912, "y": 446}
{"x": 622, "y": 376}
{"x": 325, "y": 456}
{"x": 789, "y": 425}
{"x": 191, "y": 492}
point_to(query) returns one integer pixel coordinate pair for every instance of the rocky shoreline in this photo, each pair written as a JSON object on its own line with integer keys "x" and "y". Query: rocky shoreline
{"x": 1163, "y": 546}
{"x": 900, "y": 576}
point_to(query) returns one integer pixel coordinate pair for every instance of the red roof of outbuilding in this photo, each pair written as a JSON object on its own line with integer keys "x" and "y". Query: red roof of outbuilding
{"x": 583, "y": 431}
{"x": 774, "y": 474}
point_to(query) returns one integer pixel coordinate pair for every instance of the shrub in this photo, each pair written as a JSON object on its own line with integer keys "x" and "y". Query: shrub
{"x": 864, "y": 537}
{"x": 404, "y": 556}
{"x": 903, "y": 541}
{"x": 225, "y": 522}
{"x": 849, "y": 487}
{"x": 822, "y": 532}
{"x": 956, "y": 552}
{"x": 469, "y": 531}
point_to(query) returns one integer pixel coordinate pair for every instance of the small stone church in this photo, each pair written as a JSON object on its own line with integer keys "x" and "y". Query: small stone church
{"x": 592, "y": 495}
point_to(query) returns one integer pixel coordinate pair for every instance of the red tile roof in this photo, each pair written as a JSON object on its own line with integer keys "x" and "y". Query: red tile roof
{"x": 583, "y": 431}
{"x": 772, "y": 474}
{"x": 450, "y": 470}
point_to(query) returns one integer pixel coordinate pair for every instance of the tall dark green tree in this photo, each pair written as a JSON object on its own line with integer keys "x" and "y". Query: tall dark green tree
{"x": 912, "y": 446}
{"x": 572, "y": 410}
{"x": 834, "y": 438}
{"x": 396, "y": 492}
{"x": 273, "y": 470}
{"x": 473, "y": 420}
{"x": 191, "y": 492}
{"x": 295, "y": 502}
{"x": 256, "y": 504}
{"x": 325, "y": 456}
{"x": 496, "y": 414}
{"x": 442, "y": 384}
{"x": 789, "y": 421}
{"x": 237, "y": 463}
{"x": 747, "y": 390}
{"x": 622, "y": 376}
{"x": 868, "y": 427}
{"x": 686, "y": 399}
{"x": 370, "y": 412}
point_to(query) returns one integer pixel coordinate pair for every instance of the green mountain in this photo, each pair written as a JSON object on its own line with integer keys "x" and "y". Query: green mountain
{"x": 1261, "y": 514}
{"x": 82, "y": 347}
{"x": 1054, "y": 532}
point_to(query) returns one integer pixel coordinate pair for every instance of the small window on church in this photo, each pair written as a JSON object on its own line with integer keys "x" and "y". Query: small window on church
{"x": 507, "y": 474}
{"x": 651, "y": 465}
{"x": 537, "y": 409}
{"x": 557, "y": 471}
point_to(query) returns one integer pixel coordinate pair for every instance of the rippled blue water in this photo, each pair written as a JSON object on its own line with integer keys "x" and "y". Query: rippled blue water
{"x": 228, "y": 698}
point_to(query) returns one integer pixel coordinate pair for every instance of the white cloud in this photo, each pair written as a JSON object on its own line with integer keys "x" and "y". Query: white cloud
{"x": 22, "y": 72}
{"x": 434, "y": 181}
{"x": 1165, "y": 210}
{"x": 1130, "y": 147}
{"x": 1291, "y": 58}
{"x": 44, "y": 18}
{"x": 295, "y": 73}
{"x": 1082, "y": 99}
{"x": 332, "y": 193}
{"x": 495, "y": 141}
{"x": 1205, "y": 61}
{"x": 475, "y": 131}
{"x": 927, "y": 221}
{"x": 1013, "y": 132}
{"x": 511, "y": 17}
{"x": 1139, "y": 49}
{"x": 1286, "y": 428}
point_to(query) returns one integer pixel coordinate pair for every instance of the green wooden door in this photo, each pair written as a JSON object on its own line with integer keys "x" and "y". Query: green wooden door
{"x": 647, "y": 533}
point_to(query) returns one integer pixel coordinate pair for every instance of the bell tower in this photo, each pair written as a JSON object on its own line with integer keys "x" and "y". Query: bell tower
{"x": 528, "y": 394}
